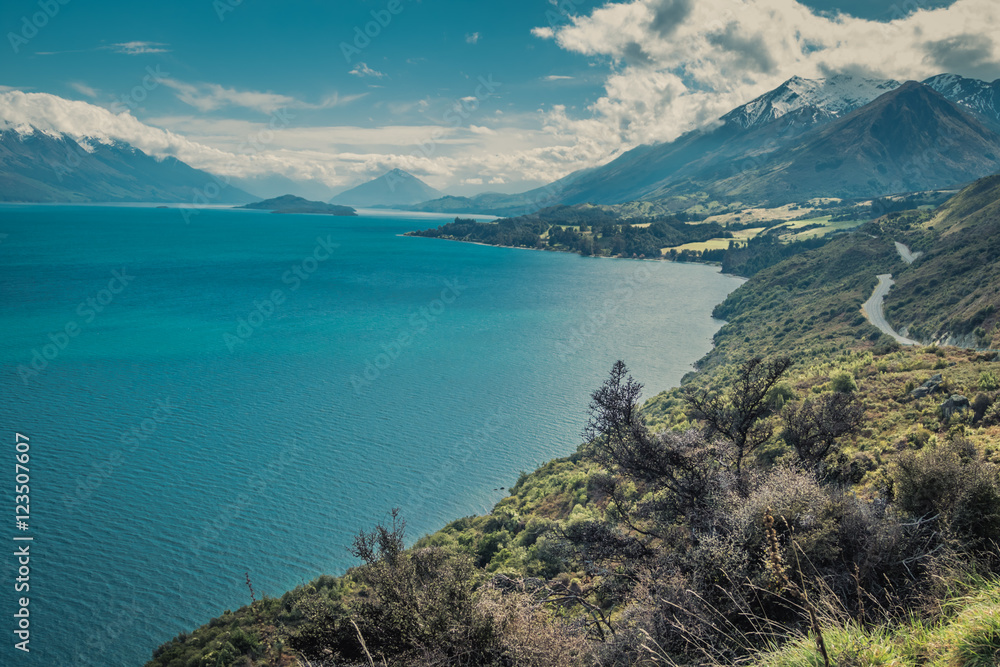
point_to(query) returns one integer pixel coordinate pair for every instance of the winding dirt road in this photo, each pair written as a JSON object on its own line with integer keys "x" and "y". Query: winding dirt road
{"x": 872, "y": 310}
{"x": 904, "y": 252}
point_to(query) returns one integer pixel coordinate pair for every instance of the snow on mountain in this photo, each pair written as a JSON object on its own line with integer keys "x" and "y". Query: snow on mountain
{"x": 834, "y": 97}
{"x": 980, "y": 96}
{"x": 27, "y": 114}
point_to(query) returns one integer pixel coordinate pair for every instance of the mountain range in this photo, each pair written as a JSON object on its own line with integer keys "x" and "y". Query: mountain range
{"x": 847, "y": 137}
{"x": 36, "y": 166}
{"x": 842, "y": 136}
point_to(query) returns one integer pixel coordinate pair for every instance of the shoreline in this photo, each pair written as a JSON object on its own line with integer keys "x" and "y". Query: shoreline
{"x": 570, "y": 252}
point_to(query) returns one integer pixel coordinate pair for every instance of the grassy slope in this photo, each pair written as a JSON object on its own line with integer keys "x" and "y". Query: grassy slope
{"x": 954, "y": 289}
{"x": 963, "y": 632}
{"x": 807, "y": 307}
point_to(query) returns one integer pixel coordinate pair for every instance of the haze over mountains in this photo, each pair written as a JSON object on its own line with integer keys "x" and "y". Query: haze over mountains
{"x": 40, "y": 167}
{"x": 844, "y": 136}
{"x": 395, "y": 187}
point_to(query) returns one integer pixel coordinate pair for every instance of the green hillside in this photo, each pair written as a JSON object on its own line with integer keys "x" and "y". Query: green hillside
{"x": 951, "y": 293}
{"x": 795, "y": 487}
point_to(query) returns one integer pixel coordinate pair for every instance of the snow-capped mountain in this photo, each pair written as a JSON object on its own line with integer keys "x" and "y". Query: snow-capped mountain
{"x": 979, "y": 96}
{"x": 830, "y": 98}
{"x": 843, "y": 136}
{"x": 49, "y": 166}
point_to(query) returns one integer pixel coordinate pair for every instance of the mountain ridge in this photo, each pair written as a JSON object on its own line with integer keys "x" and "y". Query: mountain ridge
{"x": 38, "y": 166}
{"x": 744, "y": 139}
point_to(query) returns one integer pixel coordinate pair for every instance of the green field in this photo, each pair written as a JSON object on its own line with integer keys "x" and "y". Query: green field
{"x": 826, "y": 227}
{"x": 739, "y": 237}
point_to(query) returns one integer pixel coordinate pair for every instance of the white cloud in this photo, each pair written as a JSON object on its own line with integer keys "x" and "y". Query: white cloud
{"x": 472, "y": 38}
{"x": 139, "y": 48}
{"x": 83, "y": 89}
{"x": 212, "y": 96}
{"x": 336, "y": 156}
{"x": 362, "y": 70}
{"x": 558, "y": 77}
{"x": 678, "y": 64}
{"x": 673, "y": 65}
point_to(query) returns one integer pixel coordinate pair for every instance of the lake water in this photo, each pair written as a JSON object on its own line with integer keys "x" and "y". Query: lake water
{"x": 244, "y": 391}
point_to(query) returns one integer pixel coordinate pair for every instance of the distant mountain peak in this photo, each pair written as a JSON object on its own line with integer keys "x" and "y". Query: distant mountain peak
{"x": 393, "y": 188}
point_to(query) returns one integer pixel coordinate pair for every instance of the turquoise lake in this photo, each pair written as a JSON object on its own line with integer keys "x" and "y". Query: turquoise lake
{"x": 243, "y": 392}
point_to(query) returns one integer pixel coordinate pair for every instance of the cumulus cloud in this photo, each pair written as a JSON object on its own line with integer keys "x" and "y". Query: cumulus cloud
{"x": 678, "y": 64}
{"x": 472, "y": 38}
{"x": 362, "y": 70}
{"x": 671, "y": 66}
{"x": 336, "y": 156}
{"x": 973, "y": 54}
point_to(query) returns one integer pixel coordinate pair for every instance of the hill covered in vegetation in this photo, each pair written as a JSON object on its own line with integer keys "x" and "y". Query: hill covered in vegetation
{"x": 293, "y": 204}
{"x": 812, "y": 493}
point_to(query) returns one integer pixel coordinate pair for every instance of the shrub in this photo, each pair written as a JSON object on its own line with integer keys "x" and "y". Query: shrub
{"x": 843, "y": 382}
{"x": 988, "y": 381}
{"x": 812, "y": 427}
{"x": 953, "y": 486}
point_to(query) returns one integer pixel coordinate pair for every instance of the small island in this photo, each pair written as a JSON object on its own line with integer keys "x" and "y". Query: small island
{"x": 293, "y": 204}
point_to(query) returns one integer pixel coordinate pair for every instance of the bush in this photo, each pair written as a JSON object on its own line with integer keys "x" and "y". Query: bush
{"x": 951, "y": 485}
{"x": 988, "y": 381}
{"x": 843, "y": 382}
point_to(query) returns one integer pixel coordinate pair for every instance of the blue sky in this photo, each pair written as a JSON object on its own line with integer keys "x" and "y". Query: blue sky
{"x": 574, "y": 86}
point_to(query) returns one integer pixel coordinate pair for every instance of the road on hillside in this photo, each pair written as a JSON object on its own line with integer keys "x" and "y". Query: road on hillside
{"x": 874, "y": 312}
{"x": 905, "y": 253}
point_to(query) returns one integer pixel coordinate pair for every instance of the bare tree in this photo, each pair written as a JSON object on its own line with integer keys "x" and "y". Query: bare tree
{"x": 812, "y": 427}
{"x": 684, "y": 465}
{"x": 739, "y": 414}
